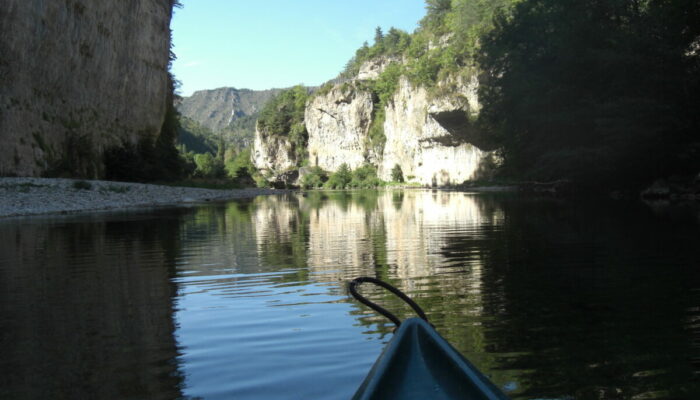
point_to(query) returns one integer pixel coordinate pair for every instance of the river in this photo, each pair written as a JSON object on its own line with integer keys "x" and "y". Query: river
{"x": 552, "y": 299}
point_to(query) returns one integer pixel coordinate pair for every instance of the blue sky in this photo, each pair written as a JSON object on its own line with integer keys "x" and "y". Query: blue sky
{"x": 262, "y": 44}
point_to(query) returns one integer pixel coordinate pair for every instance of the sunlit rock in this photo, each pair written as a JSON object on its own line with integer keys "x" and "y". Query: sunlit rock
{"x": 338, "y": 123}
{"x": 427, "y": 152}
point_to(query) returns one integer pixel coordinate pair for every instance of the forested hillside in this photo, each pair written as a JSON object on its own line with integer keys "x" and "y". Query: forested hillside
{"x": 229, "y": 113}
{"x": 603, "y": 92}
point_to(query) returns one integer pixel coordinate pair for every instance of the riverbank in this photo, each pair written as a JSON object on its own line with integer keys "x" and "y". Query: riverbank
{"x": 37, "y": 196}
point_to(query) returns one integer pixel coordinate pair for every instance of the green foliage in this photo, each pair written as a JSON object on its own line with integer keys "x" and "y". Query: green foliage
{"x": 604, "y": 93}
{"x": 299, "y": 138}
{"x": 241, "y": 168}
{"x": 192, "y": 136}
{"x": 386, "y": 84}
{"x": 393, "y": 44}
{"x": 241, "y": 131}
{"x": 397, "y": 173}
{"x": 208, "y": 166}
{"x": 283, "y": 111}
{"x": 340, "y": 178}
{"x": 444, "y": 45}
{"x": 377, "y": 138}
{"x": 314, "y": 179}
{"x": 167, "y": 158}
{"x": 378, "y": 36}
{"x": 365, "y": 177}
{"x": 284, "y": 115}
{"x": 383, "y": 88}
{"x": 434, "y": 19}
{"x": 261, "y": 181}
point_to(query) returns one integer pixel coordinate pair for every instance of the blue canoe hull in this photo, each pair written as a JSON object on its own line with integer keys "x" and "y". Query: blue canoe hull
{"x": 418, "y": 363}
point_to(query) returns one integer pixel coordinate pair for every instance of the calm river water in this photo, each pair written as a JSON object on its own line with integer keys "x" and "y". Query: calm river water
{"x": 247, "y": 299}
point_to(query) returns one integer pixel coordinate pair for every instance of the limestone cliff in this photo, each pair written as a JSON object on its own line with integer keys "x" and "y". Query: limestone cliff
{"x": 373, "y": 68}
{"x": 338, "y": 122}
{"x": 429, "y": 134}
{"x": 77, "y": 77}
{"x": 272, "y": 154}
{"x": 416, "y": 140}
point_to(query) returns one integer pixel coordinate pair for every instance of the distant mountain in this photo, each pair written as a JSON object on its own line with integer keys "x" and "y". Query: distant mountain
{"x": 227, "y": 110}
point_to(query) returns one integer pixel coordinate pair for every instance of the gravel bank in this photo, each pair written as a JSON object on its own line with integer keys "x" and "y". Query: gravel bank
{"x": 35, "y": 196}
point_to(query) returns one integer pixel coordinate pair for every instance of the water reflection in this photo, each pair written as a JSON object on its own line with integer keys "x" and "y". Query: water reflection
{"x": 553, "y": 299}
{"x": 86, "y": 309}
{"x": 247, "y": 300}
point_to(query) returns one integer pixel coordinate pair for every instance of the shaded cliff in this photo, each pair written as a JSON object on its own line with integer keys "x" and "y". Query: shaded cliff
{"x": 77, "y": 78}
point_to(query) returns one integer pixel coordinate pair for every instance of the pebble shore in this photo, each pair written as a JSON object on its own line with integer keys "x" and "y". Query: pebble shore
{"x": 36, "y": 196}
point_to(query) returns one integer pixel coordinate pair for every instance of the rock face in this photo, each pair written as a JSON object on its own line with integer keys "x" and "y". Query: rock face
{"x": 217, "y": 108}
{"x": 78, "y": 77}
{"x": 338, "y": 123}
{"x": 373, "y": 68}
{"x": 429, "y": 136}
{"x": 427, "y": 152}
{"x": 272, "y": 154}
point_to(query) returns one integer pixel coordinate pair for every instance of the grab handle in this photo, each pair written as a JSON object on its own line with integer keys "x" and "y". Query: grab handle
{"x": 353, "y": 291}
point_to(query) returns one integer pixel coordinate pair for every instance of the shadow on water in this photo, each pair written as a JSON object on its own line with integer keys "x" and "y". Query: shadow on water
{"x": 589, "y": 301}
{"x": 86, "y": 308}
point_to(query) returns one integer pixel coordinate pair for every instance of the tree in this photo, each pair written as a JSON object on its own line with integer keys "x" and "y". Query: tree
{"x": 208, "y": 166}
{"x": 597, "y": 91}
{"x": 378, "y": 36}
{"x": 436, "y": 12}
{"x": 397, "y": 173}
{"x": 340, "y": 178}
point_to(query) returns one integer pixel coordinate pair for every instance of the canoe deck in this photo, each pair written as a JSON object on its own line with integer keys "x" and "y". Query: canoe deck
{"x": 418, "y": 363}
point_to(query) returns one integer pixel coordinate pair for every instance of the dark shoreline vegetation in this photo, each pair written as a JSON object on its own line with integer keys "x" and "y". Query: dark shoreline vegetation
{"x": 601, "y": 94}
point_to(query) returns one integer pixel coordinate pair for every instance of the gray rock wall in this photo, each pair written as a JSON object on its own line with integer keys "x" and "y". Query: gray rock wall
{"x": 79, "y": 76}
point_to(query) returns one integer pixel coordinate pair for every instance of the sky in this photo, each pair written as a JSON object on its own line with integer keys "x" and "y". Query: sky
{"x": 263, "y": 44}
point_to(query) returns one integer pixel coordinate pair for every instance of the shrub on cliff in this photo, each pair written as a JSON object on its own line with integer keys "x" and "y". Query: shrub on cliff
{"x": 340, "y": 178}
{"x": 365, "y": 177}
{"x": 284, "y": 115}
{"x": 314, "y": 178}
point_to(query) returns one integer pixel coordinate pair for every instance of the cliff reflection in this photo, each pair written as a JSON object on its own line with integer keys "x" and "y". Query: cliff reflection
{"x": 86, "y": 309}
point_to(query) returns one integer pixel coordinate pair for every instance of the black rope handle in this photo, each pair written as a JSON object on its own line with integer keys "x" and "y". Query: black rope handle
{"x": 353, "y": 291}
